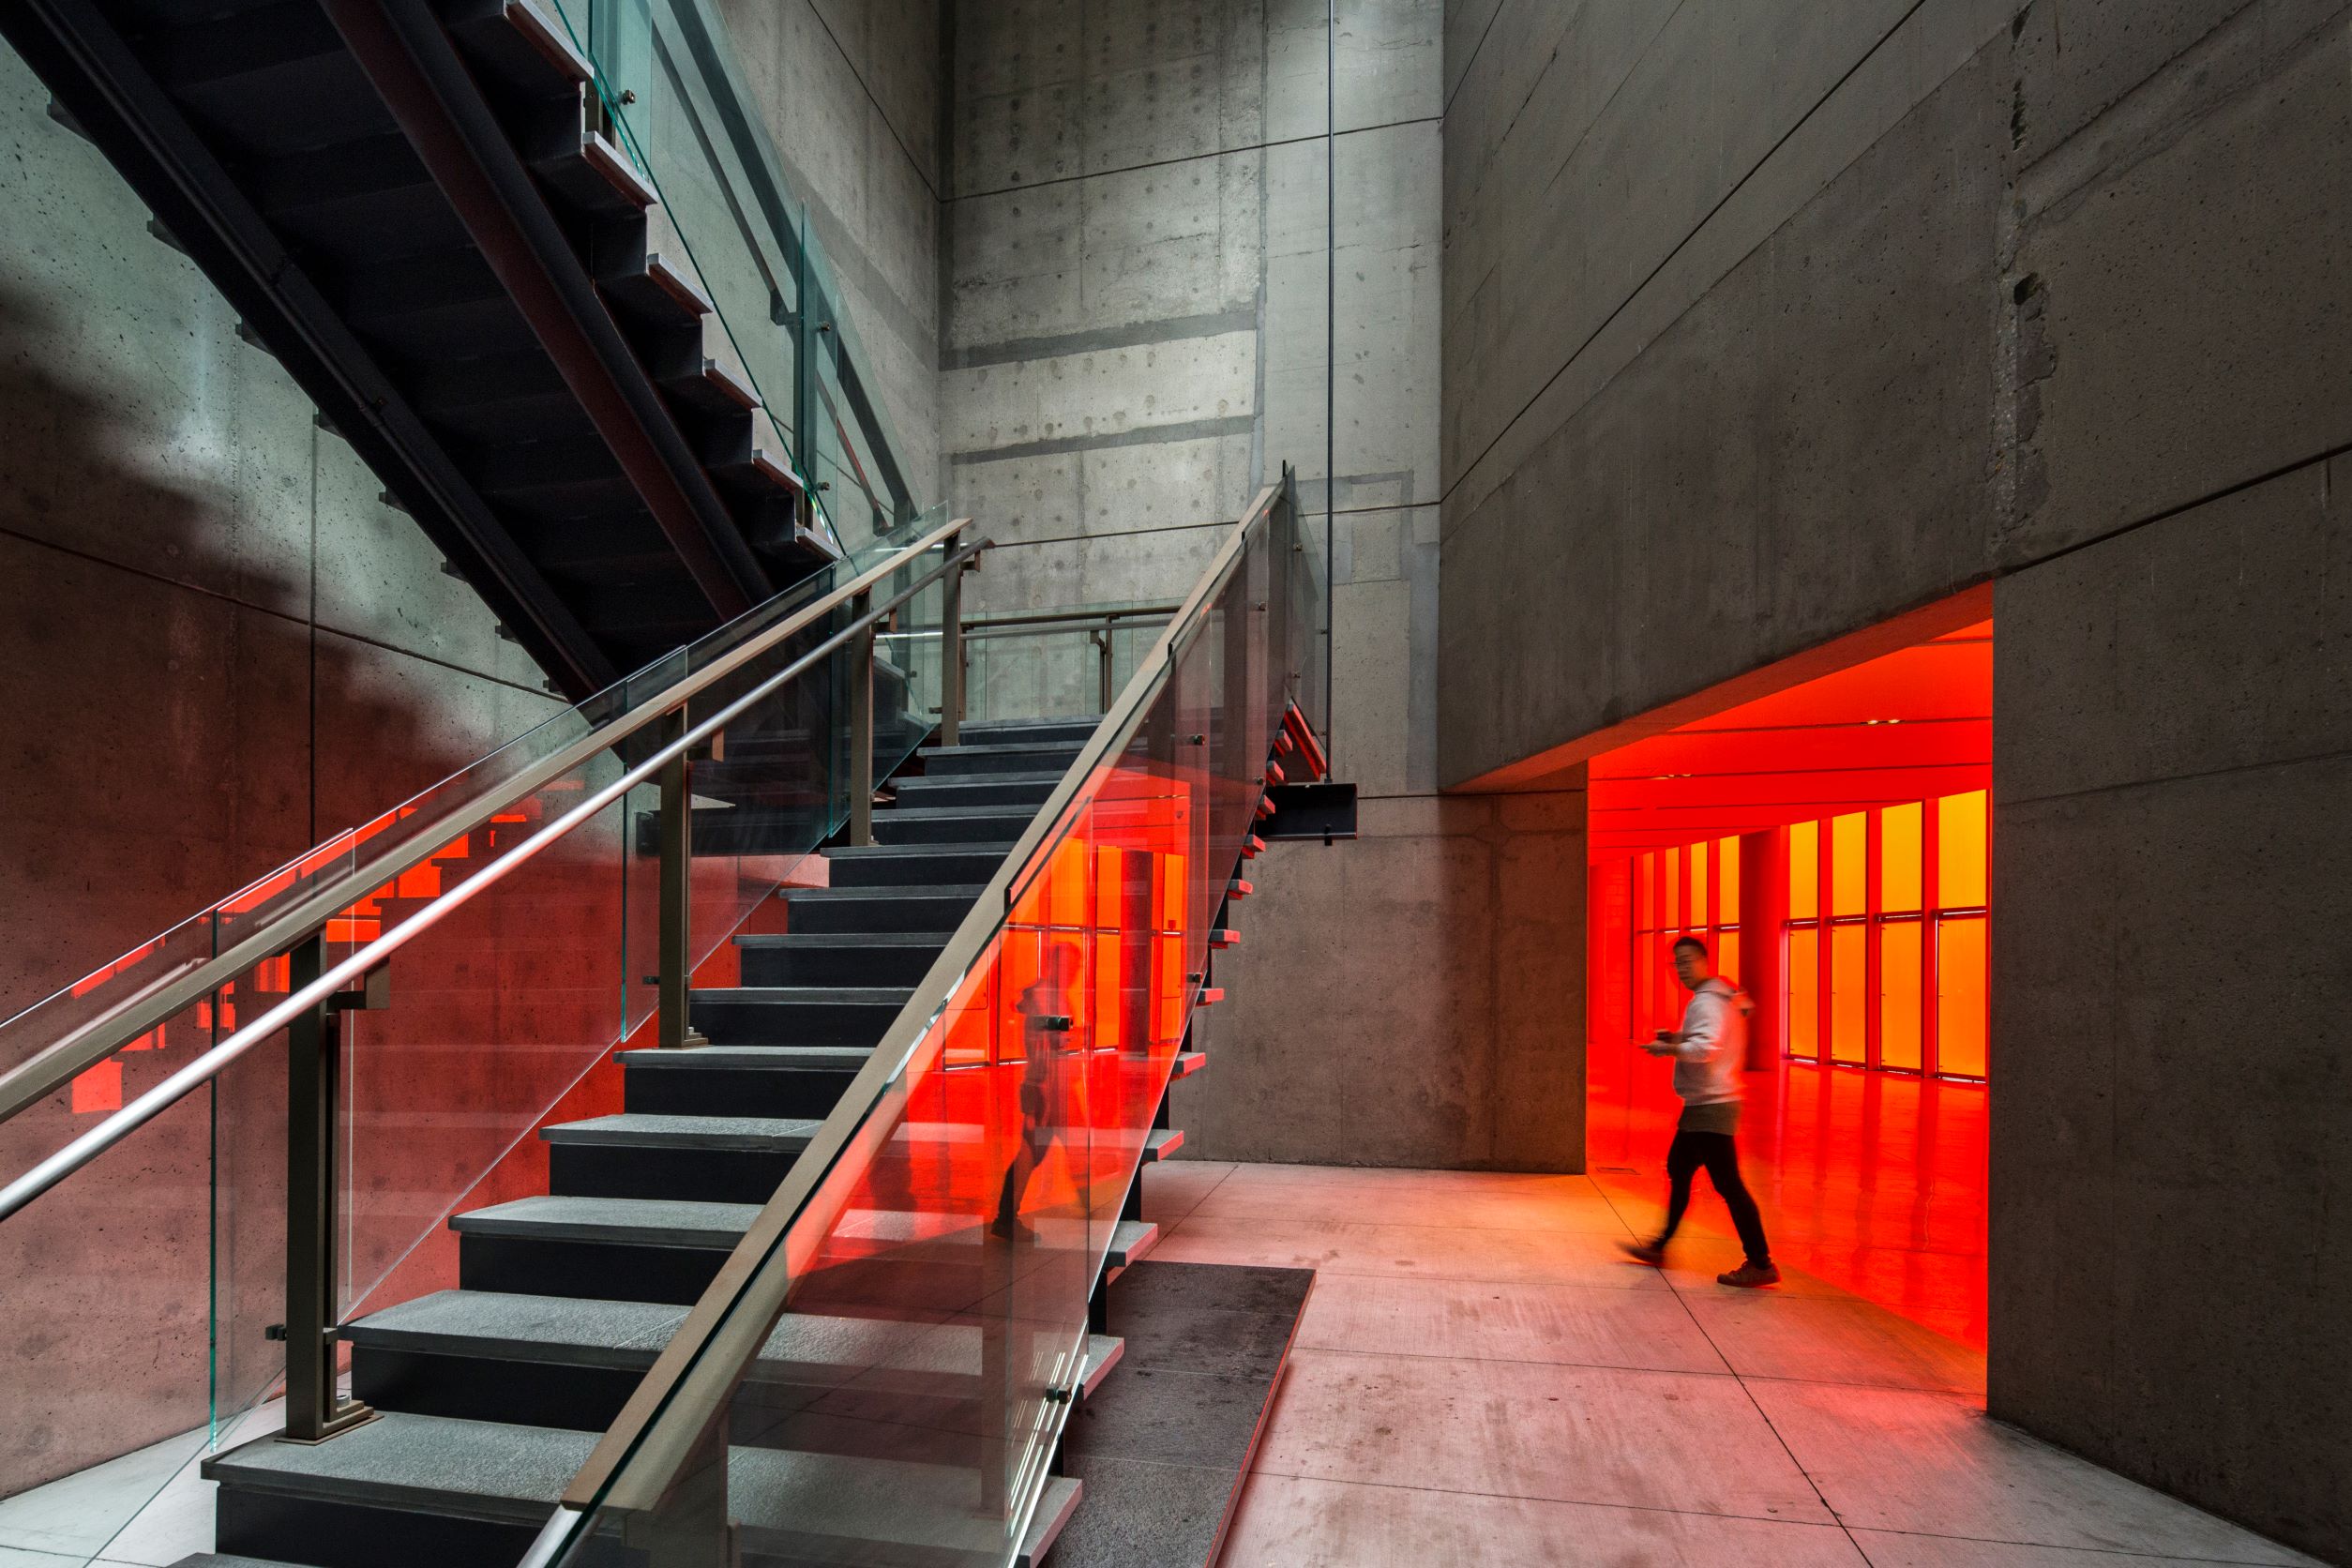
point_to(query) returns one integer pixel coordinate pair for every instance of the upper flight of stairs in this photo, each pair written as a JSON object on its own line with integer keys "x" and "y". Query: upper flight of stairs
{"x": 491, "y": 1395}
{"x": 524, "y": 350}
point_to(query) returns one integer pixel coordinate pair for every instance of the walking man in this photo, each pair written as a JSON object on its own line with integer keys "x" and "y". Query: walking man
{"x": 1045, "y": 1009}
{"x": 1708, "y": 1052}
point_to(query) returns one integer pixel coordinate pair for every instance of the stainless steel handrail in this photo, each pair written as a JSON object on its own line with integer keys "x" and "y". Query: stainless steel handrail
{"x": 658, "y": 1430}
{"x": 1048, "y": 621}
{"x": 45, "y": 1072}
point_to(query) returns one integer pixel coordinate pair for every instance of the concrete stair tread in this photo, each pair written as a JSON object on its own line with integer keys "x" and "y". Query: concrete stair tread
{"x": 1162, "y": 1142}
{"x": 644, "y": 1221}
{"x": 785, "y": 941}
{"x": 491, "y": 1471}
{"x": 1130, "y": 1239}
{"x": 915, "y": 852}
{"x": 628, "y": 1336}
{"x": 1103, "y": 1351}
{"x": 1188, "y": 1063}
{"x": 1001, "y": 748}
{"x": 796, "y": 1058}
{"x": 950, "y": 813}
{"x": 787, "y": 996}
{"x": 650, "y": 1130}
{"x": 1061, "y": 1501}
{"x": 897, "y": 890}
{"x": 960, "y": 781}
{"x": 475, "y": 1469}
{"x": 563, "y": 1328}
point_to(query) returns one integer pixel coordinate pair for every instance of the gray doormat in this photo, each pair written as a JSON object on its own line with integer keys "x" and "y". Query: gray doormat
{"x": 1164, "y": 1444}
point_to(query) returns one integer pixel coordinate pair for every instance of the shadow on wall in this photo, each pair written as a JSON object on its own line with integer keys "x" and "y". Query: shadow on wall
{"x": 179, "y": 726}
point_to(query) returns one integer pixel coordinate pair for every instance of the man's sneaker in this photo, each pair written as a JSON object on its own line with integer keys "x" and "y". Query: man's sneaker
{"x": 1651, "y": 1253}
{"x": 1749, "y": 1275}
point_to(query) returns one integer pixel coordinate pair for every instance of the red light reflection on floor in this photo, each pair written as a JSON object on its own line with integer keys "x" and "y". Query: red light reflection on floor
{"x": 1873, "y": 1182}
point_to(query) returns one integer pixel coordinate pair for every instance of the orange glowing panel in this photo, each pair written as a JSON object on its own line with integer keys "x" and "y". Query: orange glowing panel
{"x": 1849, "y": 863}
{"x": 1728, "y": 899}
{"x": 1960, "y": 851}
{"x": 1728, "y": 956}
{"x": 1702, "y": 888}
{"x": 1804, "y": 994}
{"x": 1645, "y": 893}
{"x": 1670, "y": 890}
{"x": 100, "y": 1089}
{"x": 1850, "y": 1016}
{"x": 1805, "y": 870}
{"x": 1899, "y": 995}
{"x": 1900, "y": 862}
{"x": 1960, "y": 997}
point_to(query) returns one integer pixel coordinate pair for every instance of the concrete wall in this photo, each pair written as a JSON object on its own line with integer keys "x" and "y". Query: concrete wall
{"x": 854, "y": 92}
{"x": 1765, "y": 322}
{"x": 1137, "y": 261}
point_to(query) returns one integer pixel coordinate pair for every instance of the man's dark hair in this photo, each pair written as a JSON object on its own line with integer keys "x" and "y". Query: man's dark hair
{"x": 1680, "y": 943}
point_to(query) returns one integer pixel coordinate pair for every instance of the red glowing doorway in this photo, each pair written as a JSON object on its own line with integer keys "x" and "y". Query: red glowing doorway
{"x": 1828, "y": 841}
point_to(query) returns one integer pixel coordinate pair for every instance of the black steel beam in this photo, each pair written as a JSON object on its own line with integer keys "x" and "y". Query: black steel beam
{"x": 405, "y": 52}
{"x": 116, "y": 102}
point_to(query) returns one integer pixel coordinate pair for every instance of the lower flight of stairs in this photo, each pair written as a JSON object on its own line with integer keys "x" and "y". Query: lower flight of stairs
{"x": 857, "y": 1439}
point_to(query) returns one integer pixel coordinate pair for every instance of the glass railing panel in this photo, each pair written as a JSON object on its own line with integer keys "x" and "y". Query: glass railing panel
{"x": 131, "y": 1342}
{"x": 1063, "y": 669}
{"x": 679, "y": 105}
{"x": 531, "y": 947}
{"x": 904, "y": 1350}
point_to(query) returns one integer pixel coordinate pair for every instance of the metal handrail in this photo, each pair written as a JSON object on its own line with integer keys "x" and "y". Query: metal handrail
{"x": 57, "y": 1064}
{"x": 666, "y": 1417}
{"x": 1048, "y": 620}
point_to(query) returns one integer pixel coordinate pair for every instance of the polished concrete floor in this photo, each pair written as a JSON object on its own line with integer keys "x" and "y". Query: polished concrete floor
{"x": 1482, "y": 1379}
{"x": 1873, "y": 1182}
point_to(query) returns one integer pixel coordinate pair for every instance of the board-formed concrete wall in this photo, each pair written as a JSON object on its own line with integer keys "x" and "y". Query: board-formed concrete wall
{"x": 1137, "y": 261}
{"x": 1767, "y": 322}
{"x": 854, "y": 92}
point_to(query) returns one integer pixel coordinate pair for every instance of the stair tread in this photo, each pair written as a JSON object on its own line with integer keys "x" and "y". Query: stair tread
{"x": 1054, "y": 1508}
{"x": 999, "y": 748}
{"x": 895, "y": 890}
{"x": 479, "y": 1469}
{"x": 1130, "y": 1239}
{"x": 796, "y": 1058}
{"x": 797, "y": 995}
{"x": 1162, "y": 1142}
{"x": 630, "y": 1334}
{"x": 517, "y": 1475}
{"x": 651, "y": 1221}
{"x": 912, "y": 852}
{"x": 647, "y": 1129}
{"x": 1103, "y": 1351}
{"x": 977, "y": 780}
{"x": 787, "y": 940}
{"x": 954, "y": 813}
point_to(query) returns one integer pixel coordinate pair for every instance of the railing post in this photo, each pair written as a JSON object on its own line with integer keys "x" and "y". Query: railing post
{"x": 677, "y": 890}
{"x": 951, "y": 656}
{"x": 862, "y": 726}
{"x": 315, "y": 1408}
{"x": 1102, "y": 681}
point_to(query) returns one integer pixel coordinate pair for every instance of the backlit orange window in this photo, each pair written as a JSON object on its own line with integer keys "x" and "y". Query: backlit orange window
{"x": 1903, "y": 982}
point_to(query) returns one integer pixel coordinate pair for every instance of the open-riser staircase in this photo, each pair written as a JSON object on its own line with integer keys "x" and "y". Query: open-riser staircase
{"x": 490, "y": 1395}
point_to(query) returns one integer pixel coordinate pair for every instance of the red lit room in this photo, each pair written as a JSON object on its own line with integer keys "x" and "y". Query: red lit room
{"x": 1828, "y": 842}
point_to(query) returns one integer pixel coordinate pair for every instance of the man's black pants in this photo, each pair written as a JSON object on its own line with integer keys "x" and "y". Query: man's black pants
{"x": 1719, "y": 1153}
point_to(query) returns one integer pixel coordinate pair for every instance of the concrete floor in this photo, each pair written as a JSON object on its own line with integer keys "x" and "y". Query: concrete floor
{"x": 1481, "y": 1378}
